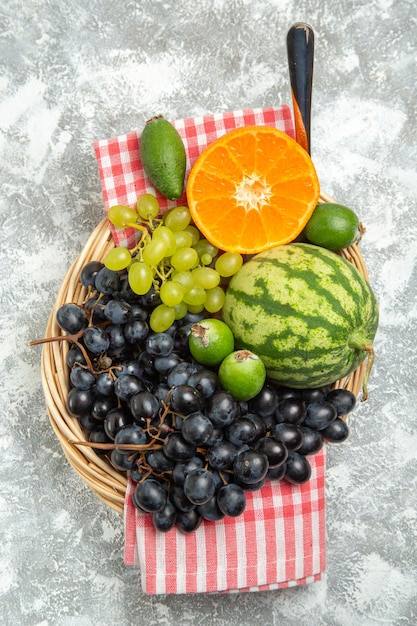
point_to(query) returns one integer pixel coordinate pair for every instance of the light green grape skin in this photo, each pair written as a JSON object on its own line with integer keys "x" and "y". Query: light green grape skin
{"x": 195, "y": 308}
{"x": 194, "y": 232}
{"x": 177, "y": 218}
{"x": 117, "y": 259}
{"x": 184, "y": 278}
{"x": 214, "y": 300}
{"x": 168, "y": 236}
{"x": 162, "y": 317}
{"x": 183, "y": 239}
{"x": 171, "y": 293}
{"x": 184, "y": 259}
{"x": 155, "y": 251}
{"x": 203, "y": 246}
{"x": 140, "y": 277}
{"x": 119, "y": 215}
{"x": 205, "y": 277}
{"x": 228, "y": 263}
{"x": 147, "y": 206}
{"x": 206, "y": 259}
{"x": 180, "y": 310}
{"x": 195, "y": 296}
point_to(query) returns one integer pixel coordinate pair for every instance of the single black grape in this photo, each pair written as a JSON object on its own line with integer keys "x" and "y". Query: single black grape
{"x": 276, "y": 451}
{"x": 116, "y": 336}
{"x": 149, "y": 496}
{"x": 250, "y": 466}
{"x": 277, "y": 473}
{"x": 71, "y": 318}
{"x": 343, "y": 400}
{"x": 221, "y": 408}
{"x": 75, "y": 357}
{"x": 177, "y": 448}
{"x": 89, "y": 273}
{"x": 290, "y": 411}
{"x": 290, "y": 434}
{"x": 144, "y": 405}
{"x": 136, "y": 331}
{"x": 231, "y": 500}
{"x": 316, "y": 394}
{"x": 107, "y": 281}
{"x": 79, "y": 401}
{"x": 188, "y": 521}
{"x": 165, "y": 364}
{"x": 222, "y": 456}
{"x": 132, "y": 434}
{"x": 319, "y": 415}
{"x": 102, "y": 405}
{"x": 159, "y": 344}
{"x": 337, "y": 431}
{"x": 312, "y": 441}
{"x": 117, "y": 311}
{"x": 82, "y": 378}
{"x": 298, "y": 469}
{"x": 185, "y": 399}
{"x": 205, "y": 381}
{"x": 199, "y": 486}
{"x": 115, "y": 420}
{"x": 265, "y": 403}
{"x": 105, "y": 384}
{"x": 242, "y": 430}
{"x": 96, "y": 340}
{"x": 197, "y": 428}
{"x": 259, "y": 423}
{"x": 127, "y": 386}
{"x": 165, "y": 518}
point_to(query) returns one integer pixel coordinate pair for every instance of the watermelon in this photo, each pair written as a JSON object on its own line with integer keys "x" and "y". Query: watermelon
{"x": 305, "y": 311}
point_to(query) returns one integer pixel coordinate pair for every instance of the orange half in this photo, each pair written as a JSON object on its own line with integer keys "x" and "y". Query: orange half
{"x": 252, "y": 189}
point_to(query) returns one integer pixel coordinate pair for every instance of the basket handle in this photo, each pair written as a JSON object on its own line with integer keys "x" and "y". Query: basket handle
{"x": 300, "y": 52}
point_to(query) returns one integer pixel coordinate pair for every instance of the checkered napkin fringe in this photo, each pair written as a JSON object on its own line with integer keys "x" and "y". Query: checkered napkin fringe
{"x": 279, "y": 540}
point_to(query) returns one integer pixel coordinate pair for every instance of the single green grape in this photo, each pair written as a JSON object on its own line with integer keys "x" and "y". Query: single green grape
{"x": 205, "y": 277}
{"x": 194, "y": 232}
{"x": 119, "y": 215}
{"x": 117, "y": 259}
{"x": 171, "y": 293}
{"x": 195, "y": 308}
{"x": 155, "y": 251}
{"x": 147, "y": 206}
{"x": 184, "y": 259}
{"x": 180, "y": 310}
{"x": 162, "y": 317}
{"x": 168, "y": 236}
{"x": 214, "y": 299}
{"x": 229, "y": 263}
{"x": 195, "y": 296}
{"x": 177, "y": 218}
{"x": 184, "y": 278}
{"x": 206, "y": 259}
{"x": 140, "y": 277}
{"x": 183, "y": 239}
{"x": 203, "y": 246}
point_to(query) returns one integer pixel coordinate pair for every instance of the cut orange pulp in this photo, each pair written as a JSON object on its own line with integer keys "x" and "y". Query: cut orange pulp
{"x": 252, "y": 189}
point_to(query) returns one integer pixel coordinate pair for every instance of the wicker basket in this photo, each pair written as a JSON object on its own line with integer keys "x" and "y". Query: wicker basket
{"x": 103, "y": 479}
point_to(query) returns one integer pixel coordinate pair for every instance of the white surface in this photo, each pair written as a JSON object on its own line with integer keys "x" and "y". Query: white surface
{"x": 72, "y": 72}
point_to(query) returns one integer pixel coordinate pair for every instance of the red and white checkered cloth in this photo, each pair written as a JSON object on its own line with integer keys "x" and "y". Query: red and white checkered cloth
{"x": 279, "y": 540}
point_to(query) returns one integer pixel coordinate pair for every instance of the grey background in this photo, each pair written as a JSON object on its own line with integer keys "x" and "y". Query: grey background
{"x": 75, "y": 71}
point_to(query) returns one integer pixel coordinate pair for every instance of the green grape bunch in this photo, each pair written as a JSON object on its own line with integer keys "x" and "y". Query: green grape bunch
{"x": 173, "y": 258}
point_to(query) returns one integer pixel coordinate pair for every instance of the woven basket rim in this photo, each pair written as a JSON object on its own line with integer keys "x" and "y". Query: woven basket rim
{"x": 96, "y": 471}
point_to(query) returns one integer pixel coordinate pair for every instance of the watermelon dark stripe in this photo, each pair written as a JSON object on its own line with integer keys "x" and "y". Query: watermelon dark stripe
{"x": 307, "y": 312}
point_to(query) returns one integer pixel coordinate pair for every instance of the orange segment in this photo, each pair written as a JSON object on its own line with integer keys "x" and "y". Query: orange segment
{"x": 252, "y": 189}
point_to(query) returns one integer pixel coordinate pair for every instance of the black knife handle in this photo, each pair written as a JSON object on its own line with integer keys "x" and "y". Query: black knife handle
{"x": 300, "y": 51}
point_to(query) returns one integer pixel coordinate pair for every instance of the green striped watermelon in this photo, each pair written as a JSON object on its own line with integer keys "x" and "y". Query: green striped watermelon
{"x": 305, "y": 311}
